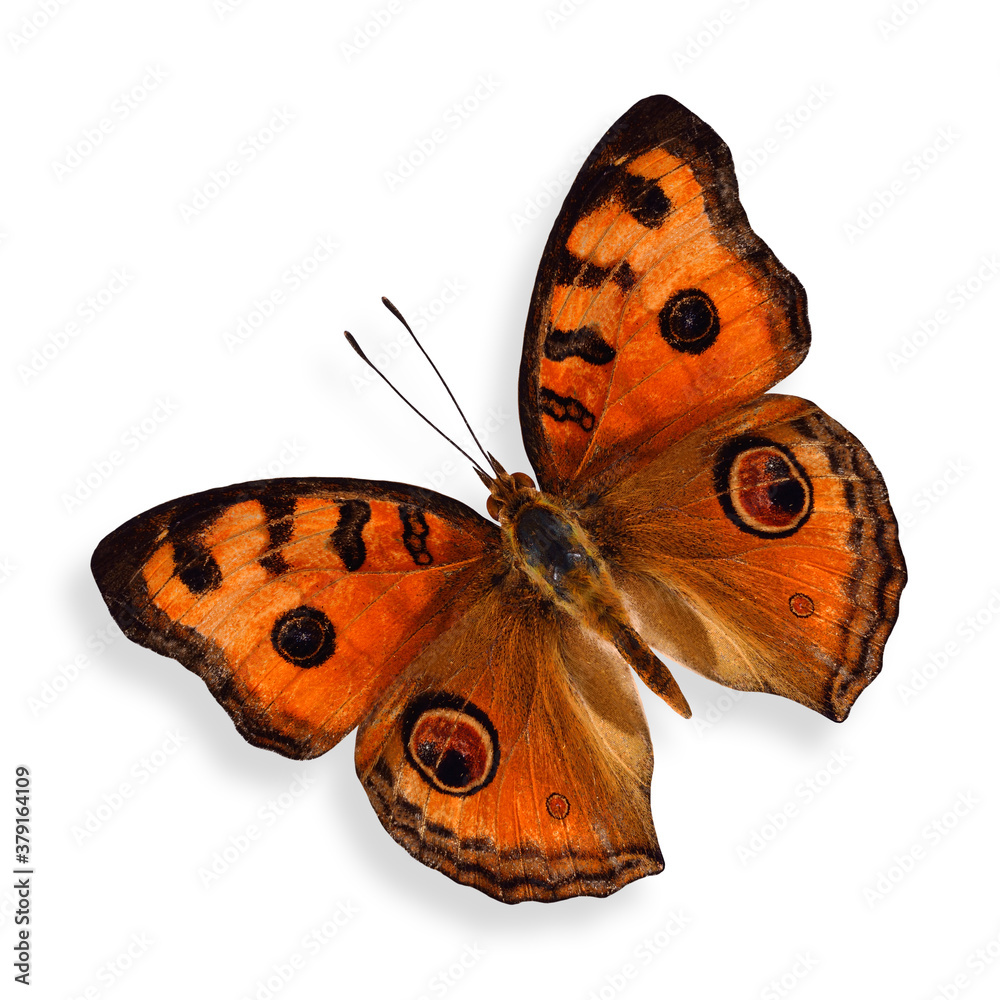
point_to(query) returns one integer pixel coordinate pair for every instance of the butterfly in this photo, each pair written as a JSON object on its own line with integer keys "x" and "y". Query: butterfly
{"x": 488, "y": 664}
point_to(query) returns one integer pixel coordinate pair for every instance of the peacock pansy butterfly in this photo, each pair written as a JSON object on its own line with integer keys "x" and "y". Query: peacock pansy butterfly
{"x": 486, "y": 665}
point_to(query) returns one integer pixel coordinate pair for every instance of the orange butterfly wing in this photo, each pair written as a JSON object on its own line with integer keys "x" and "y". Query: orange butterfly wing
{"x": 311, "y": 606}
{"x": 761, "y": 550}
{"x": 749, "y": 536}
{"x": 296, "y": 600}
{"x": 655, "y": 308}
{"x": 658, "y": 320}
{"x": 514, "y": 755}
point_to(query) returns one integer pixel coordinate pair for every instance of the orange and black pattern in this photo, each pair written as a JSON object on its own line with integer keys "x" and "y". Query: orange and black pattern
{"x": 490, "y": 670}
{"x": 655, "y": 306}
{"x": 297, "y": 600}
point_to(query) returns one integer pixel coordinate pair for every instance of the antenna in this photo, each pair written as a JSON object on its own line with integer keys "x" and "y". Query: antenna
{"x": 364, "y": 357}
{"x": 447, "y": 388}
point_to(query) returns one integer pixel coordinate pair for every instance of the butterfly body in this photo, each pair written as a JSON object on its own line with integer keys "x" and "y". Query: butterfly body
{"x": 489, "y": 665}
{"x": 545, "y": 543}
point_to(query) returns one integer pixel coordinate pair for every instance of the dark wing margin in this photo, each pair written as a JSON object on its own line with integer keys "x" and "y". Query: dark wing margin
{"x": 657, "y": 122}
{"x": 296, "y": 600}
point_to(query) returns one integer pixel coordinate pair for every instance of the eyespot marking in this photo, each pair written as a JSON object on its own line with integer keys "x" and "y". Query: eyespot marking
{"x": 304, "y": 637}
{"x": 451, "y": 743}
{"x": 762, "y": 487}
{"x": 557, "y": 806}
{"x": 801, "y": 605}
{"x": 689, "y": 321}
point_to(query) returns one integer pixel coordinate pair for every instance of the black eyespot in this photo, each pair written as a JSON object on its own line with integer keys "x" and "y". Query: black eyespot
{"x": 304, "y": 637}
{"x": 689, "y": 321}
{"x": 453, "y": 769}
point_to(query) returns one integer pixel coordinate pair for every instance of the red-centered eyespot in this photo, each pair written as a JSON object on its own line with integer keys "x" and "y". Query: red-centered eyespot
{"x": 762, "y": 487}
{"x": 557, "y": 805}
{"x": 451, "y": 743}
{"x": 801, "y": 605}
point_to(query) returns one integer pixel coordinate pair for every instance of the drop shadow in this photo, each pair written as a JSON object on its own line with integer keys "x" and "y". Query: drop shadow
{"x": 139, "y": 673}
{"x": 783, "y": 720}
{"x": 467, "y": 910}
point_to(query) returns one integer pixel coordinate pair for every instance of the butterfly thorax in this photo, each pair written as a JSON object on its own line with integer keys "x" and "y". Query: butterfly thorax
{"x": 544, "y": 541}
{"x": 553, "y": 551}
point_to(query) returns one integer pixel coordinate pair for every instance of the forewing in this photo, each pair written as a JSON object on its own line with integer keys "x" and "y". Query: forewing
{"x": 296, "y": 600}
{"x": 656, "y": 307}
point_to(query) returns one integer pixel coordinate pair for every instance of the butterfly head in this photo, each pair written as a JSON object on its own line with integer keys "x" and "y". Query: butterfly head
{"x": 508, "y": 492}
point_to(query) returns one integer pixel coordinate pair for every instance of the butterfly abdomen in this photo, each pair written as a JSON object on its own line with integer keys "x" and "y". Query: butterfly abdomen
{"x": 559, "y": 558}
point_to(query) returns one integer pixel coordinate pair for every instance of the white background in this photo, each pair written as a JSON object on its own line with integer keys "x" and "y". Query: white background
{"x": 821, "y": 907}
